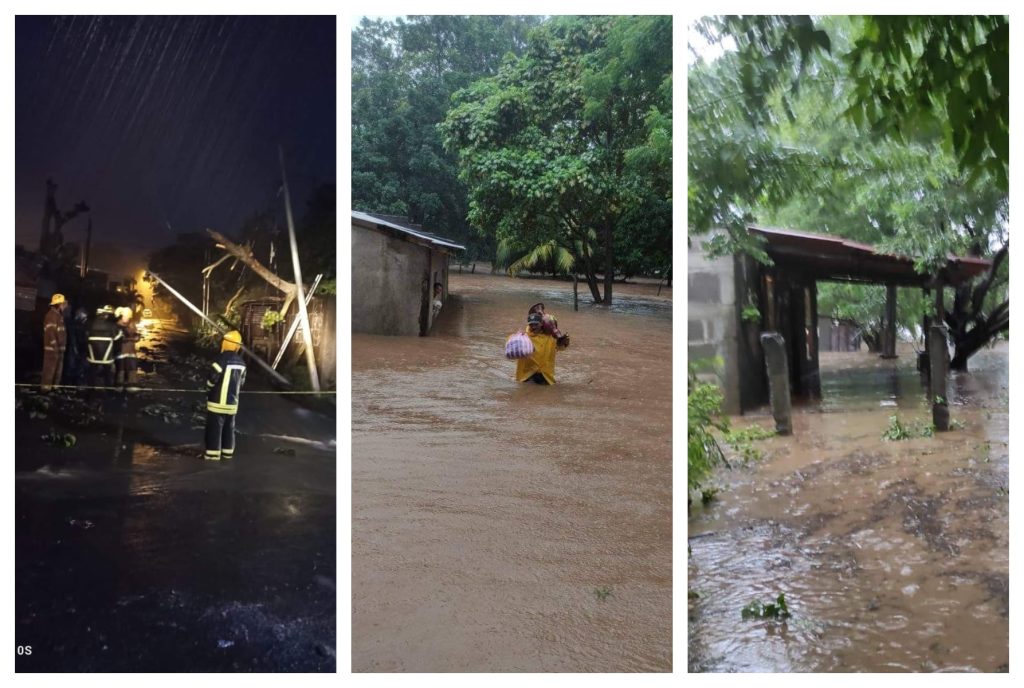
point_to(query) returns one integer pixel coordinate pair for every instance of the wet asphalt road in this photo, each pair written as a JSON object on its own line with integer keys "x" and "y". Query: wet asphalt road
{"x": 132, "y": 554}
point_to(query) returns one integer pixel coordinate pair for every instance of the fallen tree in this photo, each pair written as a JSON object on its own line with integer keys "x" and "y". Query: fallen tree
{"x": 244, "y": 254}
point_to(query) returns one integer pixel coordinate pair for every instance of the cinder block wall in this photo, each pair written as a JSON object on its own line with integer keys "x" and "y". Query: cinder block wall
{"x": 387, "y": 277}
{"x": 713, "y": 318}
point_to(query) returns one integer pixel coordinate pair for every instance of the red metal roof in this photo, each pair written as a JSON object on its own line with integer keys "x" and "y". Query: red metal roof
{"x": 835, "y": 258}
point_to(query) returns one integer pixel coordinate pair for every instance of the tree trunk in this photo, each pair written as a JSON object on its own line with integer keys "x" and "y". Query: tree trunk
{"x": 873, "y": 340}
{"x": 969, "y": 327}
{"x": 595, "y": 289}
{"x": 591, "y": 275}
{"x": 609, "y": 263}
{"x": 969, "y": 343}
{"x": 244, "y": 254}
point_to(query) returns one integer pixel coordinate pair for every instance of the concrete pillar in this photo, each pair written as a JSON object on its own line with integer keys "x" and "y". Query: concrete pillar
{"x": 777, "y": 364}
{"x": 889, "y": 333}
{"x": 939, "y": 367}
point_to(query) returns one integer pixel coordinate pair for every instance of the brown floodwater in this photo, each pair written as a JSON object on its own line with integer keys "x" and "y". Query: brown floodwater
{"x": 514, "y": 527}
{"x": 893, "y": 555}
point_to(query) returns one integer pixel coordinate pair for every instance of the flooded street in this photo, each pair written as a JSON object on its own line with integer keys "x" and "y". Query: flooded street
{"x": 514, "y": 527}
{"x": 133, "y": 554}
{"x": 893, "y": 555}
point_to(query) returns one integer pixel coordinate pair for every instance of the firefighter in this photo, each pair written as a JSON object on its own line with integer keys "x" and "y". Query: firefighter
{"x": 104, "y": 339}
{"x": 224, "y": 383}
{"x": 78, "y": 344}
{"x": 54, "y": 342}
{"x": 127, "y": 362}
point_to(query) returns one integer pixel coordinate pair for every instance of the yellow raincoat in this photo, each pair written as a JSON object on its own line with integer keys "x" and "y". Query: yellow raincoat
{"x": 542, "y": 360}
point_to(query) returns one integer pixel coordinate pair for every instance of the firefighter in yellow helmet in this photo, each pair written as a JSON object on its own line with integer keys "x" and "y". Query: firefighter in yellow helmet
{"x": 224, "y": 383}
{"x": 54, "y": 342}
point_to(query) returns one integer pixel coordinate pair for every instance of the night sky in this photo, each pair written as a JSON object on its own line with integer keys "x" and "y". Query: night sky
{"x": 169, "y": 124}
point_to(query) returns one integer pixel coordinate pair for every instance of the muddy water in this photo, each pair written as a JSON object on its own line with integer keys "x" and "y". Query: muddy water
{"x": 893, "y": 555}
{"x": 505, "y": 527}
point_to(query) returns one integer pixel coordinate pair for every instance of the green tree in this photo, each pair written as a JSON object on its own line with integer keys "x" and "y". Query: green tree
{"x": 403, "y": 75}
{"x": 792, "y": 128}
{"x": 568, "y": 147}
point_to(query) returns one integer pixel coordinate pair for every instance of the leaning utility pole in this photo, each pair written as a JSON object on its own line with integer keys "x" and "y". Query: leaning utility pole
{"x": 307, "y": 337}
{"x": 174, "y": 292}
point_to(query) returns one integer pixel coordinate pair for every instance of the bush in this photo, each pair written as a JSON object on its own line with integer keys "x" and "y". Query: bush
{"x": 704, "y": 407}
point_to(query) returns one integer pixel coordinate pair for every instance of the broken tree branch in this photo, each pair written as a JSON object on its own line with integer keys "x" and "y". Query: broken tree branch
{"x": 244, "y": 254}
{"x": 209, "y": 268}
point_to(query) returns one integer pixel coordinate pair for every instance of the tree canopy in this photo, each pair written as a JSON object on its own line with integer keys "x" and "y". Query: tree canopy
{"x": 566, "y": 151}
{"x": 542, "y": 144}
{"x": 854, "y": 126}
{"x": 403, "y": 75}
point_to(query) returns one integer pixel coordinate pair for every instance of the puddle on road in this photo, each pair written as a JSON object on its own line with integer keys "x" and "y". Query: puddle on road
{"x": 893, "y": 555}
{"x": 486, "y": 514}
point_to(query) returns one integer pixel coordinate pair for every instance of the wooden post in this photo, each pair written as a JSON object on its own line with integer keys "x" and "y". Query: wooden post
{"x": 889, "y": 333}
{"x": 776, "y": 362}
{"x": 939, "y": 364}
{"x": 926, "y": 324}
{"x": 575, "y": 292}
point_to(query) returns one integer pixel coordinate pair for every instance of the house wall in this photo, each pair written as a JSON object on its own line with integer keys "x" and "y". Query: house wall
{"x": 717, "y": 291}
{"x": 392, "y": 283}
{"x": 712, "y": 319}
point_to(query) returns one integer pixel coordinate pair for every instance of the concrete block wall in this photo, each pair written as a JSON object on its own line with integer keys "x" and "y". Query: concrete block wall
{"x": 713, "y": 318}
{"x": 387, "y": 276}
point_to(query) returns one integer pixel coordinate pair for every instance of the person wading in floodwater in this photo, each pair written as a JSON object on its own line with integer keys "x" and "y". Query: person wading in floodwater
{"x": 539, "y": 367}
{"x": 549, "y": 324}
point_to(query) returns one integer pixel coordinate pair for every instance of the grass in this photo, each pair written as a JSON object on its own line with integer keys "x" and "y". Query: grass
{"x": 742, "y": 441}
{"x": 897, "y": 430}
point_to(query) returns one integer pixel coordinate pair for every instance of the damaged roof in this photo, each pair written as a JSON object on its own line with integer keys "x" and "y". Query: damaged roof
{"x": 827, "y": 257}
{"x": 391, "y": 224}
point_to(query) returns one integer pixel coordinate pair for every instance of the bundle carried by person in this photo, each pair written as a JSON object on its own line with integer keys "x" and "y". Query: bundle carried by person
{"x": 518, "y": 346}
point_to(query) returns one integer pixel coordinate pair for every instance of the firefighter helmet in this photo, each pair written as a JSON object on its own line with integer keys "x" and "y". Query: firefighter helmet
{"x": 123, "y": 312}
{"x": 57, "y": 299}
{"x": 232, "y": 341}
{"x": 104, "y": 310}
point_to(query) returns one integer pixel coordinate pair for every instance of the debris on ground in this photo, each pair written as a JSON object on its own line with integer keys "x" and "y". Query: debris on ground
{"x": 163, "y": 411}
{"x": 60, "y": 439}
{"x": 773, "y": 610}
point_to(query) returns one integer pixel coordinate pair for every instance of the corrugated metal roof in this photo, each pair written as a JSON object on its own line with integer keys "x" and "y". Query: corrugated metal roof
{"x": 410, "y": 231}
{"x": 833, "y": 257}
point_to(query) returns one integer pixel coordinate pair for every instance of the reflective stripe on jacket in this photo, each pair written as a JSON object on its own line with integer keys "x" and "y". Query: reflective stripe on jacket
{"x": 104, "y": 336}
{"x": 224, "y": 383}
{"x": 54, "y": 336}
{"x": 129, "y": 335}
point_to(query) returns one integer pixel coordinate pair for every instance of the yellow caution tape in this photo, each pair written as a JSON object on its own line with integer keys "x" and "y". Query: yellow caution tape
{"x": 161, "y": 389}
